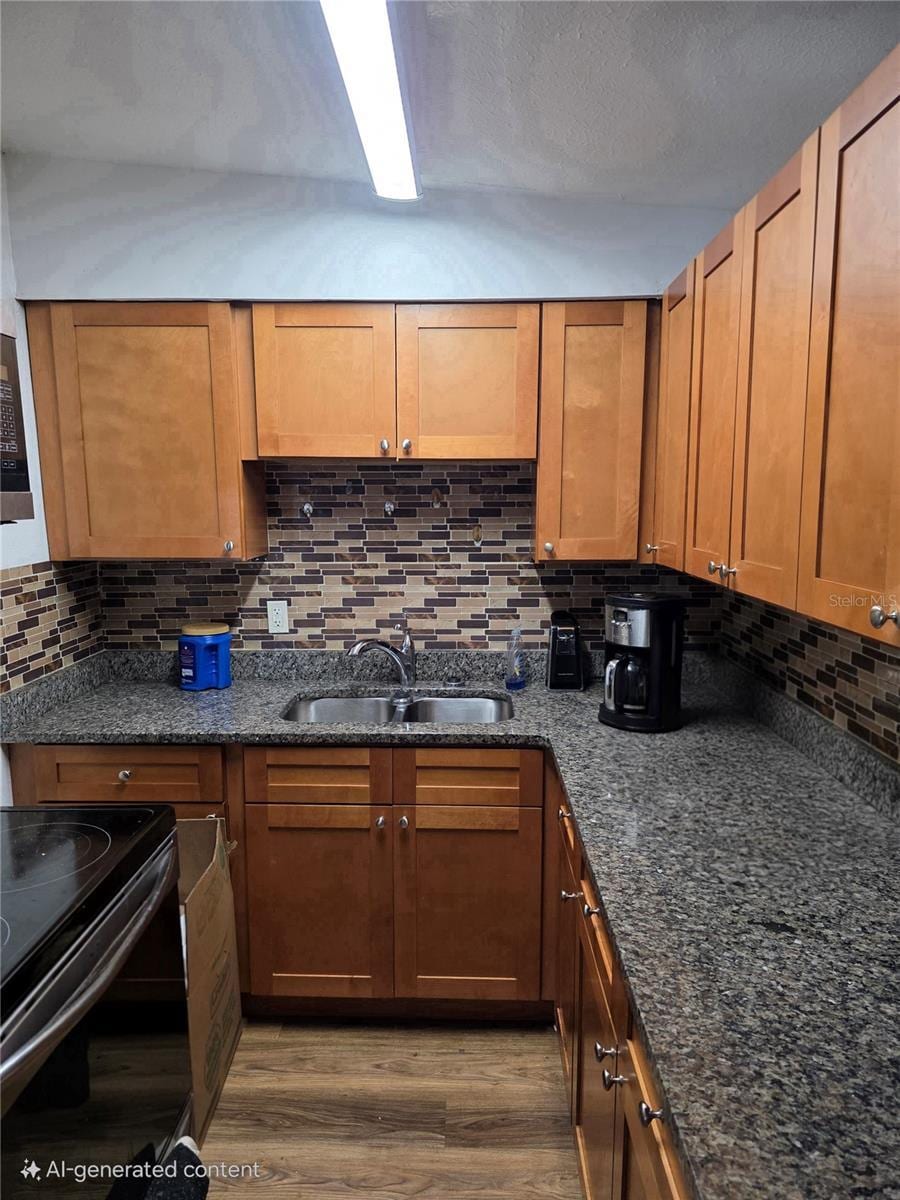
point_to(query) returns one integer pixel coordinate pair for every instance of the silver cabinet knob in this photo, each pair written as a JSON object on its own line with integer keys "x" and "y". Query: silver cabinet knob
{"x": 406, "y": 445}
{"x": 229, "y": 546}
{"x": 601, "y": 1052}
{"x": 571, "y": 895}
{"x": 590, "y": 912}
{"x": 404, "y": 822}
{"x": 878, "y": 617}
{"x": 713, "y": 567}
{"x": 724, "y": 571}
{"x": 384, "y": 445}
{"x": 562, "y": 815}
{"x": 647, "y": 1114}
{"x": 124, "y": 776}
{"x": 610, "y": 1081}
{"x": 548, "y": 547}
{"x": 648, "y": 549}
{"x": 379, "y": 822}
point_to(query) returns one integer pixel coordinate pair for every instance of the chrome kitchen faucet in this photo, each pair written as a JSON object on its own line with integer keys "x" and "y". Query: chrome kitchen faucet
{"x": 403, "y": 659}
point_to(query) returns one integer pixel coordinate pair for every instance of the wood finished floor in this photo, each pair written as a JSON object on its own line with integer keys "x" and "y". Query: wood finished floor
{"x": 385, "y": 1112}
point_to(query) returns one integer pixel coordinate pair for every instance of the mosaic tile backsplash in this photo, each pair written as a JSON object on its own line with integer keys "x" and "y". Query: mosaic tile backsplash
{"x": 51, "y": 617}
{"x": 453, "y": 558}
{"x": 852, "y": 681}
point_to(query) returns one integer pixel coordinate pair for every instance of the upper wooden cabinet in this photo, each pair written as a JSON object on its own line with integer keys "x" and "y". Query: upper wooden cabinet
{"x": 137, "y": 414}
{"x": 670, "y": 490}
{"x": 592, "y": 398}
{"x": 464, "y": 384}
{"x": 778, "y": 231}
{"x": 850, "y": 523}
{"x": 325, "y": 380}
{"x": 467, "y": 380}
{"x": 717, "y": 300}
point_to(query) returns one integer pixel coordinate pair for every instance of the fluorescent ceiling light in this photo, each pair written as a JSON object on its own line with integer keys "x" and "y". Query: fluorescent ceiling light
{"x": 361, "y": 35}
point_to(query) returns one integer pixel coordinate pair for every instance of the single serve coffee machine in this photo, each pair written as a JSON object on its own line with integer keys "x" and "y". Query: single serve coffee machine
{"x": 642, "y": 662}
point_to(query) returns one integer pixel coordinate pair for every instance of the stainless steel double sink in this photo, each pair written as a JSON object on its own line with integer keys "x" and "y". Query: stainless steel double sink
{"x": 400, "y": 709}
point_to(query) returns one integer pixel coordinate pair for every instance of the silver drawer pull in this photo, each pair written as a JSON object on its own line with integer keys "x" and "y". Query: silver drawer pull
{"x": 650, "y": 549}
{"x": 610, "y": 1081}
{"x": 124, "y": 776}
{"x": 379, "y": 822}
{"x": 647, "y": 1114}
{"x": 713, "y": 567}
{"x": 571, "y": 895}
{"x": 562, "y": 815}
{"x": 590, "y": 912}
{"x": 601, "y": 1052}
{"x": 404, "y": 822}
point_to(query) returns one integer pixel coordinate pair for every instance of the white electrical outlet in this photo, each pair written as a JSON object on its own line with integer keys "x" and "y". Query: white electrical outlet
{"x": 278, "y": 618}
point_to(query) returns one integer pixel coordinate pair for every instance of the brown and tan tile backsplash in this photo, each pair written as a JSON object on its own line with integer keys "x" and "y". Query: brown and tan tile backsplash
{"x": 51, "y": 618}
{"x": 453, "y": 559}
{"x": 852, "y": 681}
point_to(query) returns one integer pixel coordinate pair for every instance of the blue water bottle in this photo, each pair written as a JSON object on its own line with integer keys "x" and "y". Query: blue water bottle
{"x": 204, "y": 656}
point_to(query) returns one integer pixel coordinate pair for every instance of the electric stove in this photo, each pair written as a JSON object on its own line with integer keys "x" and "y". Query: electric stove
{"x": 92, "y": 992}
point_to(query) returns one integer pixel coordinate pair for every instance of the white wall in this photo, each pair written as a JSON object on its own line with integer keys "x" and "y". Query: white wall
{"x": 21, "y": 542}
{"x": 91, "y": 230}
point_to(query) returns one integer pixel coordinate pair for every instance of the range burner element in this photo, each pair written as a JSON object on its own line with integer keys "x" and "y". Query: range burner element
{"x": 54, "y": 852}
{"x": 52, "y": 859}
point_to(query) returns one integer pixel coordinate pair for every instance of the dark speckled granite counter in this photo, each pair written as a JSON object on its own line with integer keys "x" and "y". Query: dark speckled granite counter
{"x": 753, "y": 900}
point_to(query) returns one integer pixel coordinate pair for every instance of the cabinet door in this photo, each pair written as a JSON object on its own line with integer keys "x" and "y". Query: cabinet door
{"x": 568, "y": 899}
{"x": 467, "y": 380}
{"x": 325, "y": 380}
{"x": 596, "y": 1117}
{"x": 467, "y": 902}
{"x": 138, "y": 425}
{"x": 674, "y": 419}
{"x": 650, "y": 1169}
{"x": 319, "y": 882}
{"x": 589, "y": 463}
{"x": 779, "y": 229}
{"x": 713, "y": 391}
{"x": 850, "y": 523}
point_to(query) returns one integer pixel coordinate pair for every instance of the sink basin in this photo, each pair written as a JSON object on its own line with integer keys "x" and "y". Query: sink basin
{"x": 459, "y": 710}
{"x": 382, "y": 710}
{"x": 339, "y": 710}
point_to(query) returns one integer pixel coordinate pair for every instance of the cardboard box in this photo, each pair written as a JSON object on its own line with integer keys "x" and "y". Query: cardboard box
{"x": 213, "y": 990}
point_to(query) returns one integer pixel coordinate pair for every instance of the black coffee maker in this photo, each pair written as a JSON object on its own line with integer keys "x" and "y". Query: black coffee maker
{"x": 642, "y": 662}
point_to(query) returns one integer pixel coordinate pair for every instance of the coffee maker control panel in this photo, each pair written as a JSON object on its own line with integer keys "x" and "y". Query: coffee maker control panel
{"x": 628, "y": 626}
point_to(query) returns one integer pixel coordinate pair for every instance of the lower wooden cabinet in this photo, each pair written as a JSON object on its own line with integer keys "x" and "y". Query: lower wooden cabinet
{"x": 319, "y": 899}
{"x": 417, "y": 874}
{"x": 467, "y": 902}
{"x": 568, "y": 899}
{"x": 598, "y": 1112}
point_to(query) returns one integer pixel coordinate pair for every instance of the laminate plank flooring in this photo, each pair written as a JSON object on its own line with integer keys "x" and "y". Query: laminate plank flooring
{"x": 387, "y": 1112}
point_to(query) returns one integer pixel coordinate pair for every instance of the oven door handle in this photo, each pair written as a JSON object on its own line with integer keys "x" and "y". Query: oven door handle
{"x": 136, "y": 909}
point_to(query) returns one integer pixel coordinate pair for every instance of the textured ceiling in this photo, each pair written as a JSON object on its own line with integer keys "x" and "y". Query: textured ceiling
{"x": 664, "y": 103}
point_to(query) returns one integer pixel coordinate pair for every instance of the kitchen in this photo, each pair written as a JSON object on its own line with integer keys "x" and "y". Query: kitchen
{"x": 500, "y": 542}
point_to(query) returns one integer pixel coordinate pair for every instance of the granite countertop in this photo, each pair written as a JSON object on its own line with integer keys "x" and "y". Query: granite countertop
{"x": 753, "y": 899}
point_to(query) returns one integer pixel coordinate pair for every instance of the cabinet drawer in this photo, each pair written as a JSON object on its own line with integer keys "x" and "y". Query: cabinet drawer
{"x": 122, "y": 774}
{"x": 317, "y": 775}
{"x": 497, "y": 778}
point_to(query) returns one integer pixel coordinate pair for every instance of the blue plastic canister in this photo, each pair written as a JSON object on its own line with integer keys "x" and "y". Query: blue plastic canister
{"x": 204, "y": 657}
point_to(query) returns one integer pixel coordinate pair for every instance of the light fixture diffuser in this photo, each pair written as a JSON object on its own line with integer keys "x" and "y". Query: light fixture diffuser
{"x": 361, "y": 35}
